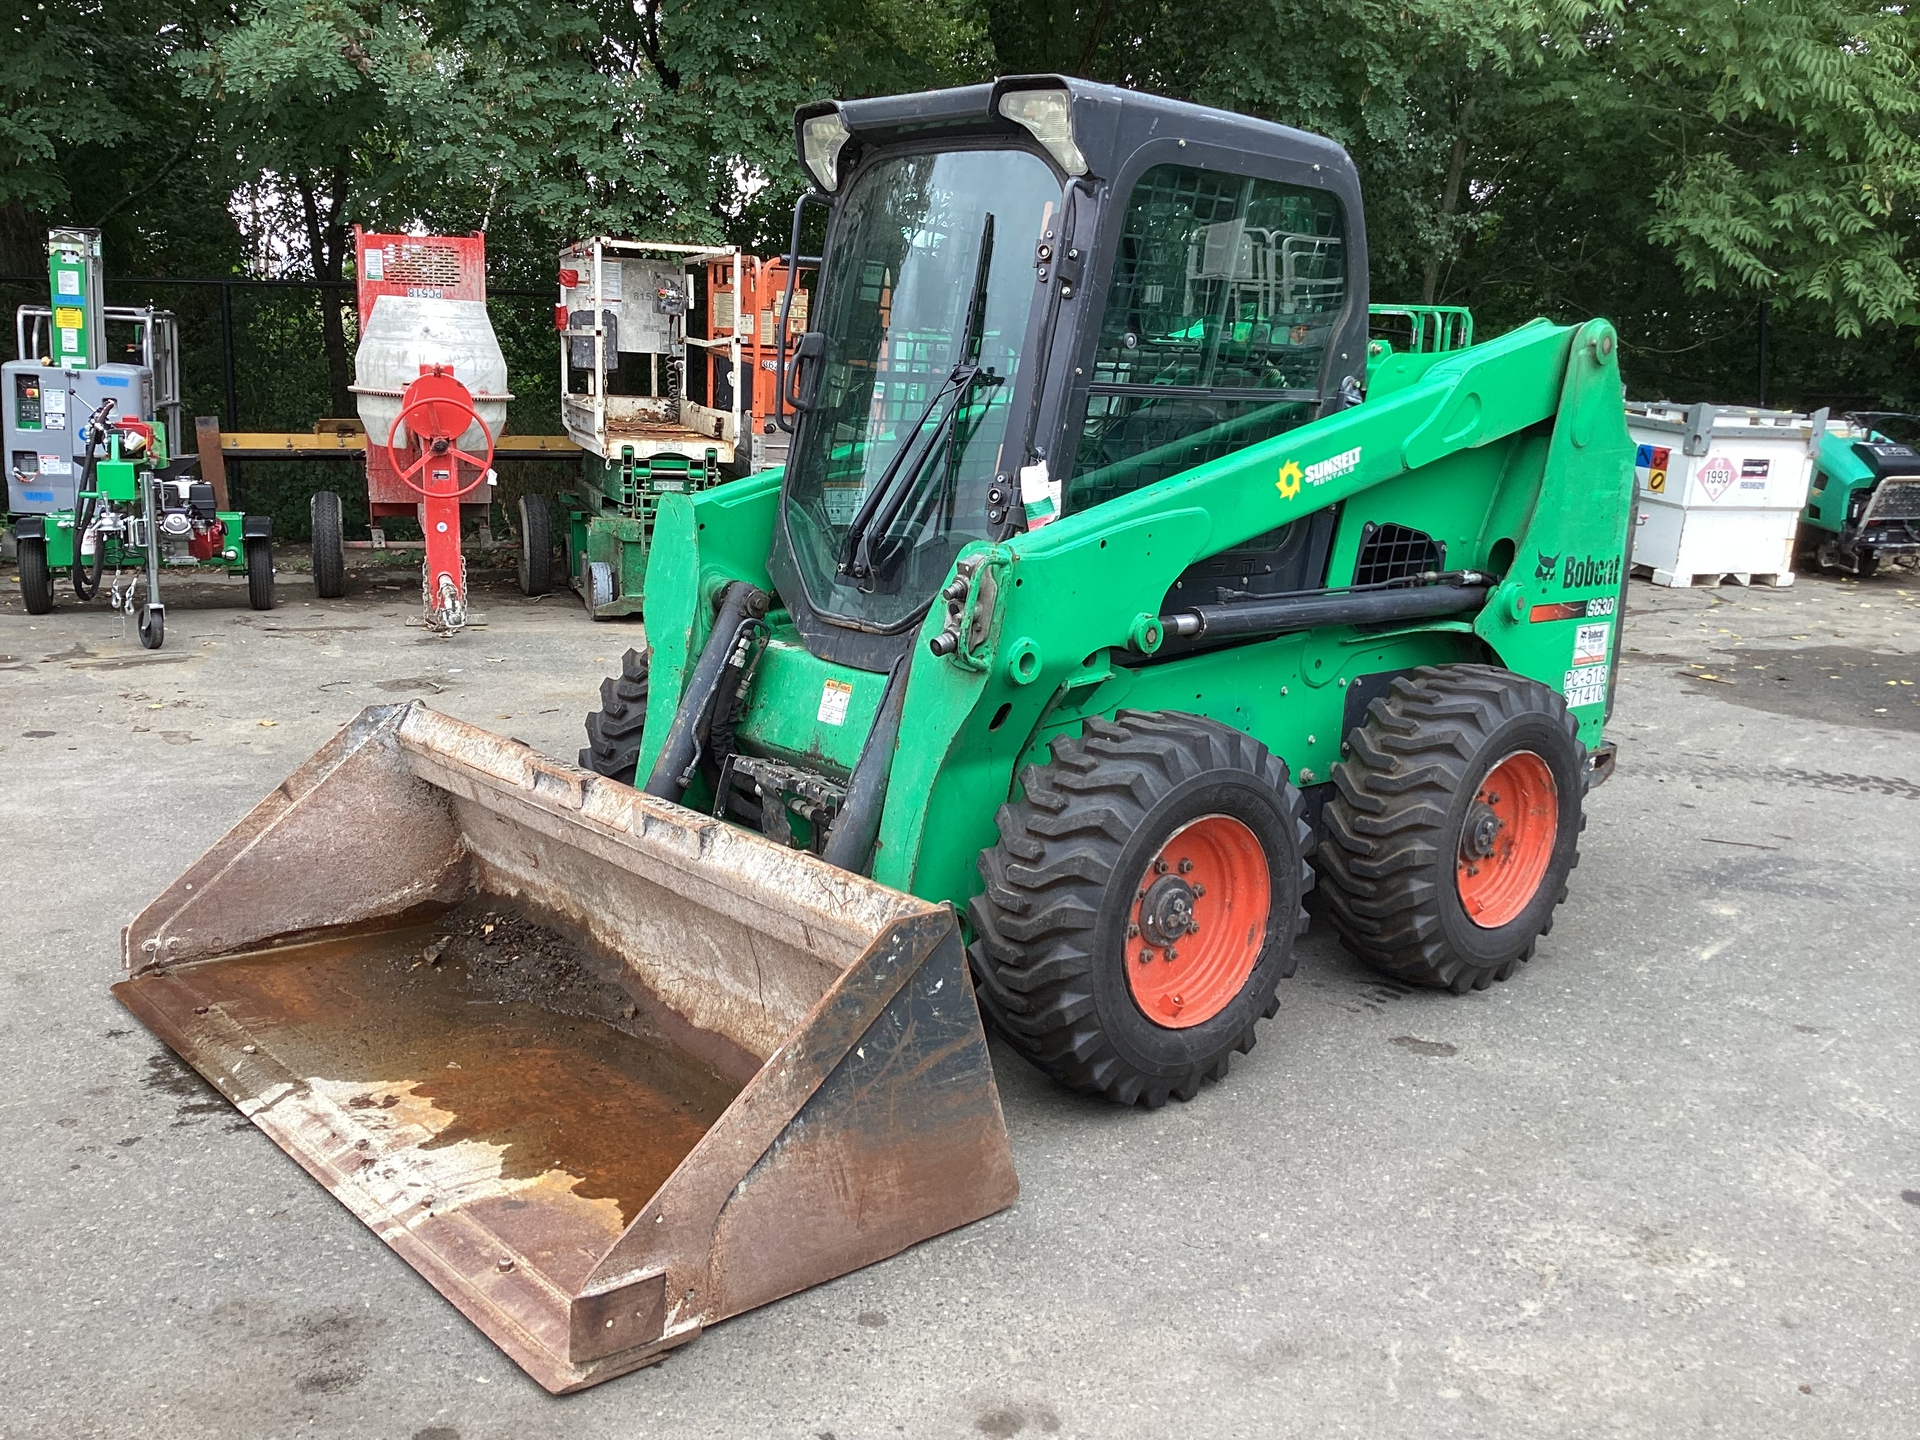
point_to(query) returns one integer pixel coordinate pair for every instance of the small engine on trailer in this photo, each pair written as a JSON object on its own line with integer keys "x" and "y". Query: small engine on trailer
{"x": 90, "y": 485}
{"x": 138, "y": 511}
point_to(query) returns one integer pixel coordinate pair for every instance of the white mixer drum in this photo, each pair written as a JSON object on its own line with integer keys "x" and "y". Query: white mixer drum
{"x": 406, "y": 332}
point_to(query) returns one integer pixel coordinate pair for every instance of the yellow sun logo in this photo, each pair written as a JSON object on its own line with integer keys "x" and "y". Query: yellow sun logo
{"x": 1290, "y": 479}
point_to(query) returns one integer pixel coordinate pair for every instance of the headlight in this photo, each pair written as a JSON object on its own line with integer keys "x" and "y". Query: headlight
{"x": 1048, "y": 115}
{"x": 821, "y": 140}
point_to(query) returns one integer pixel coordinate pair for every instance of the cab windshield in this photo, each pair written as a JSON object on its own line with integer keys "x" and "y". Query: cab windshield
{"x": 924, "y": 302}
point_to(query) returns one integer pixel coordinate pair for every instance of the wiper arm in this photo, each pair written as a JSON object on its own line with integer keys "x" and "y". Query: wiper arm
{"x": 881, "y": 505}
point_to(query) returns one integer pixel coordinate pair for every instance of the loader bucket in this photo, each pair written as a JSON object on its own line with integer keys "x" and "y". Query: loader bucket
{"x": 603, "y": 1070}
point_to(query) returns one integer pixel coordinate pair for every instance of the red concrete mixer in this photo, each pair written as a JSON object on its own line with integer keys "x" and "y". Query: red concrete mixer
{"x": 432, "y": 387}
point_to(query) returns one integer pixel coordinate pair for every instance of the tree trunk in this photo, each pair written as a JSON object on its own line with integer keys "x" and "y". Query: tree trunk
{"x": 327, "y": 241}
{"x": 1449, "y": 205}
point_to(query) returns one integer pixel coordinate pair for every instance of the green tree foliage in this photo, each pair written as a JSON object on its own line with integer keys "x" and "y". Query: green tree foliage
{"x": 94, "y": 130}
{"x": 1669, "y": 163}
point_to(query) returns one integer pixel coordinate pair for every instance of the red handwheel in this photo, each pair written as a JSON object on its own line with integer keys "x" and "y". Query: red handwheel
{"x": 436, "y": 411}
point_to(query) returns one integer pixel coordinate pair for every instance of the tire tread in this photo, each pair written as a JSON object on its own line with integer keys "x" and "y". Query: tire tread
{"x": 1033, "y": 956}
{"x": 1385, "y": 825}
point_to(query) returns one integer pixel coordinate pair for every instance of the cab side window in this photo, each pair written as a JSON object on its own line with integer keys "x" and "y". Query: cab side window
{"x": 1226, "y": 292}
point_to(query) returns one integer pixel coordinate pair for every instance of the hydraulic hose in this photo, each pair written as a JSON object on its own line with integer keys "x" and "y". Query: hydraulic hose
{"x": 740, "y": 605}
{"x": 851, "y": 838}
{"x": 86, "y": 584}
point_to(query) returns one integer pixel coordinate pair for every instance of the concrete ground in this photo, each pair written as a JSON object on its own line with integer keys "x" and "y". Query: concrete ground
{"x": 1665, "y": 1182}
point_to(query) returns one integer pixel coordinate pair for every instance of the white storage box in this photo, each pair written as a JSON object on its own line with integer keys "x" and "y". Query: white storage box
{"x": 1719, "y": 490}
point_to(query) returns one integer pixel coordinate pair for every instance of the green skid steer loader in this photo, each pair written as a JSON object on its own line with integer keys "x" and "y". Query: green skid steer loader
{"x": 1117, "y": 586}
{"x": 1110, "y": 569}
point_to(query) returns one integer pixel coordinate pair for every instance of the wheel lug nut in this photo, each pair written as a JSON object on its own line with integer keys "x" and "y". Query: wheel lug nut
{"x": 1146, "y": 956}
{"x": 1172, "y": 954}
{"x": 1186, "y": 866}
{"x": 1133, "y": 932}
{"x": 1198, "y": 891}
{"x": 1160, "y": 867}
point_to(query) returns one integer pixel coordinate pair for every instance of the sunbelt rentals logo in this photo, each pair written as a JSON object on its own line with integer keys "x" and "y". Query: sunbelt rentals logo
{"x": 1318, "y": 473}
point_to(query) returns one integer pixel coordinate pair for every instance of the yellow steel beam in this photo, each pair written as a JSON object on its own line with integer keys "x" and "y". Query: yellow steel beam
{"x": 303, "y": 445}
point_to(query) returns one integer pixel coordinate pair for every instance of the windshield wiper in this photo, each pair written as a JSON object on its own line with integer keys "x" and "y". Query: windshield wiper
{"x": 881, "y": 505}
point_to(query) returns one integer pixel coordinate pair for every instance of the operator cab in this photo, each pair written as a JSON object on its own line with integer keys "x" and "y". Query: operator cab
{"x": 1037, "y": 295}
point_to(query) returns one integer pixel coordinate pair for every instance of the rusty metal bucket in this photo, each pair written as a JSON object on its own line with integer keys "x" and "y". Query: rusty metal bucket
{"x": 603, "y": 1070}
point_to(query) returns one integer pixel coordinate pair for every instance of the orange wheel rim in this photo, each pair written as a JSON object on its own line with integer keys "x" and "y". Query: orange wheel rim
{"x": 1507, "y": 840}
{"x": 1198, "y": 922}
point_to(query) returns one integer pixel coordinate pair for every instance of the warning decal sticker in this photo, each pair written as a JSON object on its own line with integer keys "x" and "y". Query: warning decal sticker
{"x": 1590, "y": 643}
{"x": 1716, "y": 476}
{"x": 1650, "y": 467}
{"x": 834, "y": 696}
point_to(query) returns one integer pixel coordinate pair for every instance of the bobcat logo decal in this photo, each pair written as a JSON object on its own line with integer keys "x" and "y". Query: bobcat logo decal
{"x": 1548, "y": 564}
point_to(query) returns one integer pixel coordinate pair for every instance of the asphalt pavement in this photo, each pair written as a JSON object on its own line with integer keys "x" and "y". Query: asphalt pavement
{"x": 1664, "y": 1182}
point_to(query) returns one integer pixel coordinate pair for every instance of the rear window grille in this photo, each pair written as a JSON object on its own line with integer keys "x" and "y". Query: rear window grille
{"x": 1396, "y": 552}
{"x": 423, "y": 264}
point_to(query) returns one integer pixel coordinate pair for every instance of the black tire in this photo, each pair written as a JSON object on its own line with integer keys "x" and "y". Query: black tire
{"x": 1865, "y": 563}
{"x": 613, "y": 731}
{"x": 153, "y": 627}
{"x": 536, "y": 546}
{"x": 329, "y": 547}
{"x": 260, "y": 574}
{"x": 599, "y": 587}
{"x": 36, "y": 578}
{"x": 1053, "y": 939}
{"x": 1398, "y": 818}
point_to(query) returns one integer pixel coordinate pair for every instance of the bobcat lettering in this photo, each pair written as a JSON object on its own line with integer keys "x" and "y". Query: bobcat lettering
{"x": 1581, "y": 574}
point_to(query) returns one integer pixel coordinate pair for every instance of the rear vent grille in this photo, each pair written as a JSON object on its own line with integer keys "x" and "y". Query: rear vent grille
{"x": 1396, "y": 552}
{"x": 1898, "y": 500}
{"x": 424, "y": 264}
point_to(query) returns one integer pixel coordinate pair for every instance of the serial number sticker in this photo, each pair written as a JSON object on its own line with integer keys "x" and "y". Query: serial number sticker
{"x": 1585, "y": 686}
{"x": 834, "y": 696}
{"x": 1590, "y": 643}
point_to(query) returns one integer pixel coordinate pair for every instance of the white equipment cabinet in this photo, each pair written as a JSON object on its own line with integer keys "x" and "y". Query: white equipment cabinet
{"x": 1719, "y": 490}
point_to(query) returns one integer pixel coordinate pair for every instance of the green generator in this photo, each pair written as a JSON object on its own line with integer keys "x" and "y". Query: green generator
{"x": 1865, "y": 499}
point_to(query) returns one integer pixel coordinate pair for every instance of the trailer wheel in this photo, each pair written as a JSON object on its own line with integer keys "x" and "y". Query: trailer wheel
{"x": 613, "y": 731}
{"x": 152, "y": 626}
{"x": 1141, "y": 905}
{"x": 1454, "y": 826}
{"x": 36, "y": 578}
{"x": 329, "y": 546}
{"x": 260, "y": 574}
{"x": 536, "y": 546}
